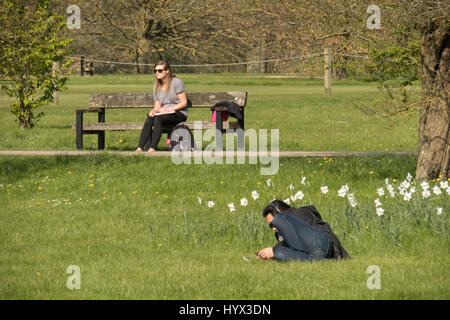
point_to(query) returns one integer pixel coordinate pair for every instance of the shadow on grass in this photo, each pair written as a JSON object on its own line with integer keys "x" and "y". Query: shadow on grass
{"x": 14, "y": 168}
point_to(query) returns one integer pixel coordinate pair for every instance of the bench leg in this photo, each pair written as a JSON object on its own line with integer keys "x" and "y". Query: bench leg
{"x": 219, "y": 131}
{"x": 101, "y": 135}
{"x": 241, "y": 134}
{"x": 79, "y": 130}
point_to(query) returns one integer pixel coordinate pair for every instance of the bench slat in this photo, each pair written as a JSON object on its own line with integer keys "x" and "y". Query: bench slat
{"x": 124, "y": 126}
{"x": 145, "y": 100}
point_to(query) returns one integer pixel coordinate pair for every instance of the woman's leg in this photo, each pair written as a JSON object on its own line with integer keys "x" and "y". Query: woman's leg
{"x": 308, "y": 242}
{"x": 146, "y": 132}
{"x": 173, "y": 119}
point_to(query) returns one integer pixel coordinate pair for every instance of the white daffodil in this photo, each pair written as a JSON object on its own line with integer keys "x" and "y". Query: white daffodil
{"x": 407, "y": 196}
{"x": 269, "y": 182}
{"x": 299, "y": 195}
{"x": 377, "y": 202}
{"x": 244, "y": 202}
{"x": 437, "y": 190}
{"x": 303, "y": 180}
{"x": 210, "y": 204}
{"x": 291, "y": 187}
{"x": 380, "y": 211}
{"x": 342, "y": 192}
{"x": 380, "y": 192}
{"x": 324, "y": 189}
{"x": 352, "y": 200}
{"x": 439, "y": 211}
{"x": 424, "y": 185}
{"x": 405, "y": 184}
{"x": 426, "y": 194}
{"x": 390, "y": 188}
{"x": 255, "y": 195}
{"x": 199, "y": 200}
{"x": 287, "y": 201}
{"x": 444, "y": 184}
{"x": 231, "y": 207}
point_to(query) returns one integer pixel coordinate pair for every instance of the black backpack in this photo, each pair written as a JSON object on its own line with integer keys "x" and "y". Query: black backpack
{"x": 181, "y": 139}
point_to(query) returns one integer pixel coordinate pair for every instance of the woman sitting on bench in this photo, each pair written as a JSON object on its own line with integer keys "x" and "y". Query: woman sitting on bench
{"x": 170, "y": 107}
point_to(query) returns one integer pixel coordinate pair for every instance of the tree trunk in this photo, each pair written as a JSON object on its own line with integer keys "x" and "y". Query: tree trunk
{"x": 434, "y": 135}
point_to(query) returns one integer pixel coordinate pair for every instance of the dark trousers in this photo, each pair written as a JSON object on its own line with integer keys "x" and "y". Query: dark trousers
{"x": 301, "y": 240}
{"x": 152, "y": 130}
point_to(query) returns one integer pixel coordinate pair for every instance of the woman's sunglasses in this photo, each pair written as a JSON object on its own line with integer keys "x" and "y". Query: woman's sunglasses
{"x": 159, "y": 70}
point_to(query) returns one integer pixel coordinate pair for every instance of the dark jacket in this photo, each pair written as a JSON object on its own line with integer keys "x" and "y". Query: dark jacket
{"x": 233, "y": 109}
{"x": 310, "y": 215}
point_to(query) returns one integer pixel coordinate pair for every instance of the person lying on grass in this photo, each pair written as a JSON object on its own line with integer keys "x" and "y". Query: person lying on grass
{"x": 301, "y": 234}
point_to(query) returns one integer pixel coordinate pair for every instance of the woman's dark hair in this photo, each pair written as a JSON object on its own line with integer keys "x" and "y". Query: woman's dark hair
{"x": 275, "y": 207}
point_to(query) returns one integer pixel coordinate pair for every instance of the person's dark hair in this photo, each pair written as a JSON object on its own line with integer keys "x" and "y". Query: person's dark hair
{"x": 275, "y": 207}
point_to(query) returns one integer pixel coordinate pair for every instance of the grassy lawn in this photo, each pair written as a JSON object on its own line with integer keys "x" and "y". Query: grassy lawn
{"x": 307, "y": 119}
{"x": 136, "y": 234}
{"x": 141, "y": 228}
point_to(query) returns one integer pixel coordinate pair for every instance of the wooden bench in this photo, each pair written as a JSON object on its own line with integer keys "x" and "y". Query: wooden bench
{"x": 98, "y": 103}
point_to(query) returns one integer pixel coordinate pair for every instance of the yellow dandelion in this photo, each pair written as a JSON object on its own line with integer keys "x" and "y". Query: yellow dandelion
{"x": 371, "y": 172}
{"x": 120, "y": 193}
{"x": 227, "y": 242}
{"x": 38, "y": 273}
{"x": 91, "y": 176}
{"x": 69, "y": 172}
{"x": 39, "y": 188}
{"x": 159, "y": 245}
{"x": 135, "y": 191}
{"x": 91, "y": 185}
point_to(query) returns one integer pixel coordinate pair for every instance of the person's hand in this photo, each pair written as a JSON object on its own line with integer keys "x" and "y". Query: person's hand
{"x": 152, "y": 113}
{"x": 266, "y": 253}
{"x": 165, "y": 110}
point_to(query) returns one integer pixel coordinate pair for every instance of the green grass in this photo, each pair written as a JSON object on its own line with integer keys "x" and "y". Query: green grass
{"x": 135, "y": 227}
{"x": 136, "y": 234}
{"x": 307, "y": 119}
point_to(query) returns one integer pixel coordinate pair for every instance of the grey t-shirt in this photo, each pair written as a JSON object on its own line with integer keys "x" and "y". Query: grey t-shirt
{"x": 169, "y": 98}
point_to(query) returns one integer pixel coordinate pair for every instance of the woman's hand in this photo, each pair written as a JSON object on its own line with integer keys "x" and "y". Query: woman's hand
{"x": 152, "y": 113}
{"x": 266, "y": 253}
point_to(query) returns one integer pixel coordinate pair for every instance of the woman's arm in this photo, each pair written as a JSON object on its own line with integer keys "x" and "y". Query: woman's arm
{"x": 182, "y": 104}
{"x": 155, "y": 109}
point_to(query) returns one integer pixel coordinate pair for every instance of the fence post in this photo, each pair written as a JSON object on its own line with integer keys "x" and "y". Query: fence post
{"x": 82, "y": 66}
{"x": 56, "y": 93}
{"x": 327, "y": 75}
